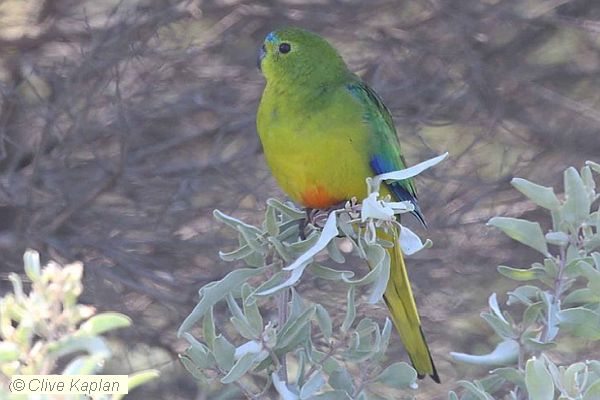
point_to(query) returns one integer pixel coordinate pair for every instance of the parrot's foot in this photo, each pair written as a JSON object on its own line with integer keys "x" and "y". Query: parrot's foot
{"x": 317, "y": 217}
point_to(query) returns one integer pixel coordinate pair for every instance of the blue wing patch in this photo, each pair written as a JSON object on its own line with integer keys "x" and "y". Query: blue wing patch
{"x": 381, "y": 166}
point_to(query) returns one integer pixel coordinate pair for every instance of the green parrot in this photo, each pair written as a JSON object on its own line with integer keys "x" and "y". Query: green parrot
{"x": 324, "y": 131}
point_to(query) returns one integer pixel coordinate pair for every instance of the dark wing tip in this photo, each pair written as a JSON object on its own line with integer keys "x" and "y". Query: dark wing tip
{"x": 434, "y": 374}
{"x": 418, "y": 214}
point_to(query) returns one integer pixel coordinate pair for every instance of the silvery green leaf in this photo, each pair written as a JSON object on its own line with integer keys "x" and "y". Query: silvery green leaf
{"x": 366, "y": 326}
{"x": 399, "y": 375}
{"x": 362, "y": 344}
{"x": 282, "y": 388}
{"x": 410, "y": 242}
{"x": 594, "y": 366}
{"x": 539, "y": 381}
{"x": 526, "y": 294}
{"x": 334, "y": 252}
{"x": 223, "y": 352}
{"x": 31, "y": 260}
{"x": 350, "y": 310}
{"x": 552, "y": 310}
{"x": 593, "y": 391}
{"x": 500, "y": 326}
{"x": 582, "y": 296}
{"x": 271, "y": 223}
{"x": 593, "y": 165}
{"x": 537, "y": 345}
{"x": 340, "y": 379}
{"x": 302, "y": 357}
{"x": 493, "y": 303}
{"x": 237, "y": 254}
{"x": 293, "y": 326}
{"x": 329, "y": 364}
{"x": 366, "y": 395}
{"x": 296, "y": 305}
{"x": 300, "y": 247}
{"x": 100, "y": 323}
{"x": 270, "y": 336}
{"x": 491, "y": 383}
{"x": 521, "y": 275}
{"x": 511, "y": 375}
{"x": 241, "y": 366}
{"x": 577, "y": 202}
{"x": 277, "y": 279}
{"x": 329, "y": 232}
{"x": 251, "y": 310}
{"x": 251, "y": 238}
{"x": 580, "y": 322}
{"x": 452, "y": 396}
{"x": 570, "y": 381}
{"x": 526, "y": 232}
{"x": 505, "y": 353}
{"x": 477, "y": 392}
{"x": 70, "y": 344}
{"x": 254, "y": 259}
{"x": 293, "y": 278}
{"x": 591, "y": 243}
{"x": 386, "y": 333}
{"x": 330, "y": 273}
{"x": 324, "y": 321}
{"x": 541, "y": 195}
{"x": 288, "y": 210}
{"x": 532, "y": 313}
{"x": 408, "y": 172}
{"x": 17, "y": 285}
{"x": 289, "y": 231}
{"x": 588, "y": 182}
{"x": 208, "y": 327}
{"x": 312, "y": 385}
{"x": 596, "y": 258}
{"x": 197, "y": 352}
{"x": 379, "y": 262}
{"x": 191, "y": 367}
{"x": 213, "y": 292}
{"x": 557, "y": 238}
{"x": 551, "y": 268}
{"x": 591, "y": 274}
{"x": 574, "y": 268}
{"x": 332, "y": 395}
{"x": 239, "y": 320}
{"x": 572, "y": 255}
{"x": 236, "y": 223}
{"x": 281, "y": 249}
{"x": 251, "y": 346}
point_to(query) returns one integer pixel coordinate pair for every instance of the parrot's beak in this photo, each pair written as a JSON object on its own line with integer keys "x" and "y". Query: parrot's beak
{"x": 261, "y": 54}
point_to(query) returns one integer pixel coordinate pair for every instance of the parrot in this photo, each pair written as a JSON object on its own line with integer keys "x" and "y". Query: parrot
{"x": 323, "y": 132}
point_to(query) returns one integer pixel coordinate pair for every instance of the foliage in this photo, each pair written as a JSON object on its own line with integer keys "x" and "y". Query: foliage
{"x": 47, "y": 332}
{"x": 561, "y": 299}
{"x": 299, "y": 350}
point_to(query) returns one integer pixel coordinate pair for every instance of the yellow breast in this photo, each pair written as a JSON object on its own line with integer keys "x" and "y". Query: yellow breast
{"x": 319, "y": 156}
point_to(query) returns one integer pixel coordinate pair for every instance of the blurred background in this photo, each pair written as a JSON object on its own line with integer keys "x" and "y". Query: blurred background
{"x": 123, "y": 124}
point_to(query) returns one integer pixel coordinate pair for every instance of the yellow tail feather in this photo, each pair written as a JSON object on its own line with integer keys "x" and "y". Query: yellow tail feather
{"x": 403, "y": 309}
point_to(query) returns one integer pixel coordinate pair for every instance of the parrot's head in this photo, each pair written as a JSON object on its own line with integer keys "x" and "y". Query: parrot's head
{"x": 295, "y": 55}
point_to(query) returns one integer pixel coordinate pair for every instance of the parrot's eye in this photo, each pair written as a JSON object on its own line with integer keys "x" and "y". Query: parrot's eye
{"x": 284, "y": 48}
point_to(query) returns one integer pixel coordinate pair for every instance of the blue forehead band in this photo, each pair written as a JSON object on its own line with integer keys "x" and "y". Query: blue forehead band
{"x": 271, "y": 37}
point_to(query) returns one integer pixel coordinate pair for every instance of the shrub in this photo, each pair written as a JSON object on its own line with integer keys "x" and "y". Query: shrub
{"x": 561, "y": 299}
{"x": 46, "y": 331}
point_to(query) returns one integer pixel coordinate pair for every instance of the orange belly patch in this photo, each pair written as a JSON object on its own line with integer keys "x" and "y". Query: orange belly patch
{"x": 317, "y": 197}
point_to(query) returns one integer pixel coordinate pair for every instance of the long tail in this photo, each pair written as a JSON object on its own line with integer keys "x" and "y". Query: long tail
{"x": 401, "y": 303}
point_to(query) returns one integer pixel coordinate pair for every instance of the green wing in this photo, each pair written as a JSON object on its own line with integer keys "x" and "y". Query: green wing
{"x": 386, "y": 152}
